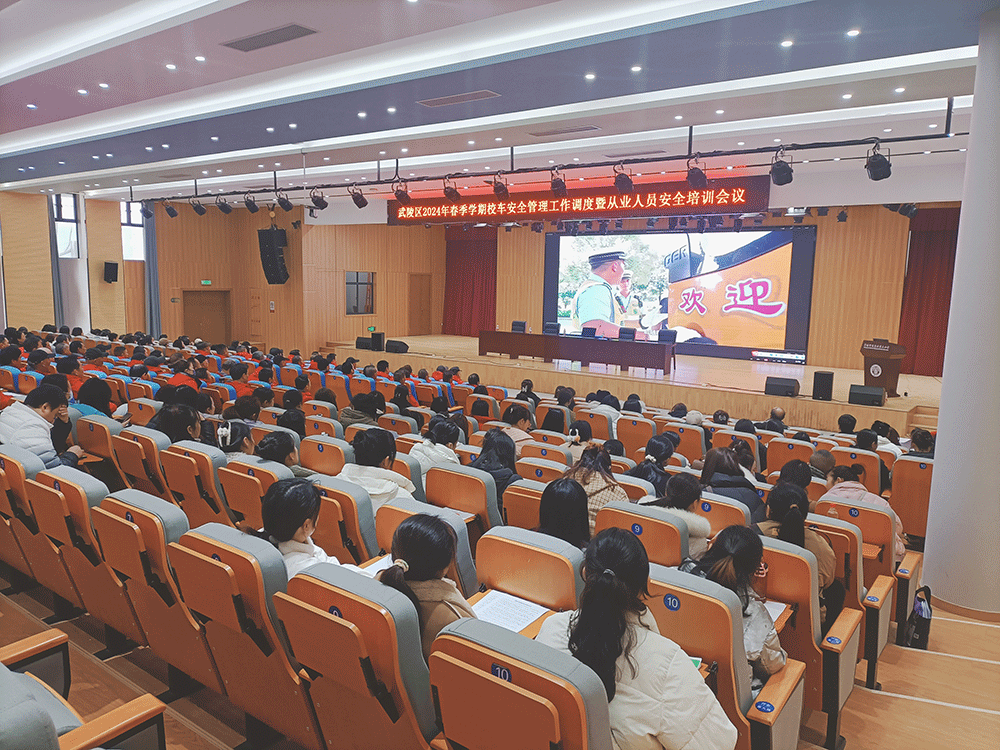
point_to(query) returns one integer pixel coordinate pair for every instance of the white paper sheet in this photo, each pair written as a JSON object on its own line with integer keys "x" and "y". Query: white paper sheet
{"x": 510, "y": 612}
{"x": 775, "y": 609}
{"x": 379, "y": 565}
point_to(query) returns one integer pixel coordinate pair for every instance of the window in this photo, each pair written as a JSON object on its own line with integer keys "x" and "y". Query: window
{"x": 360, "y": 293}
{"x": 64, "y": 215}
{"x": 133, "y": 234}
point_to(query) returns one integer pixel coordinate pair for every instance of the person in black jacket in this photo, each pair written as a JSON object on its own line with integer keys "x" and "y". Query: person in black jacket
{"x": 867, "y": 440}
{"x": 721, "y": 475}
{"x": 497, "y": 459}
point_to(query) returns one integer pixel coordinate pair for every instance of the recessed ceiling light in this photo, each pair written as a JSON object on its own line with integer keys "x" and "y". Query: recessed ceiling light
{"x": 926, "y": 152}
{"x": 886, "y": 130}
{"x": 292, "y": 125}
{"x": 260, "y": 166}
{"x": 218, "y": 170}
{"x": 590, "y": 76}
{"x": 95, "y": 156}
{"x": 576, "y": 158}
{"x": 678, "y": 117}
{"x": 932, "y": 125}
{"x": 486, "y": 167}
{"x": 498, "y": 139}
{"x": 326, "y": 158}
{"x": 729, "y": 167}
{"x": 403, "y": 150}
{"x": 82, "y": 92}
{"x": 836, "y": 158}
{"x": 269, "y": 130}
{"x": 32, "y": 106}
{"x": 204, "y": 171}
{"x": 109, "y": 155}
{"x": 741, "y": 143}
{"x": 149, "y": 148}
{"x": 963, "y": 150}
{"x": 777, "y": 140}
{"x": 164, "y": 145}
{"x": 277, "y": 163}
{"x": 362, "y": 115}
{"x": 551, "y": 161}
{"x": 171, "y": 66}
{"x": 411, "y": 1}
{"x": 381, "y": 153}
{"x": 853, "y": 32}
{"x": 215, "y": 137}
{"x": 86, "y": 185}
{"x": 720, "y": 111}
{"x": 61, "y": 163}
{"x": 97, "y": 184}
{"x": 125, "y": 182}
{"x": 103, "y": 85}
{"x": 472, "y": 143}
{"x": 465, "y": 169}
{"x": 900, "y": 89}
{"x": 846, "y": 96}
{"x": 391, "y": 110}
{"x": 636, "y": 69}
{"x": 787, "y": 43}
{"x": 21, "y": 169}
{"x": 805, "y": 161}
{"x": 411, "y": 174}
{"x": 199, "y": 58}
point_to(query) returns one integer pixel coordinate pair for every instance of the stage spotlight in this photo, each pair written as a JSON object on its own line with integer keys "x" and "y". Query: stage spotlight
{"x": 879, "y": 167}
{"x": 758, "y": 221}
{"x": 738, "y": 224}
{"x": 198, "y": 208}
{"x": 672, "y": 222}
{"x": 145, "y": 210}
{"x": 776, "y": 214}
{"x": 451, "y": 192}
{"x": 619, "y": 223}
{"x": 603, "y": 226}
{"x": 399, "y": 190}
{"x": 171, "y": 211}
{"x": 560, "y": 227}
{"x": 716, "y": 221}
{"x": 842, "y": 217}
{"x": 538, "y": 227}
{"x": 500, "y": 189}
{"x": 797, "y": 219}
{"x": 223, "y": 206}
{"x": 286, "y": 205}
{"x": 558, "y": 184}
{"x": 701, "y": 225}
{"x": 356, "y": 195}
{"x": 623, "y": 182}
{"x": 683, "y": 221}
{"x": 909, "y": 210}
{"x": 250, "y": 203}
{"x": 696, "y": 176}
{"x": 320, "y": 202}
{"x": 823, "y": 211}
{"x": 781, "y": 170}
{"x": 650, "y": 223}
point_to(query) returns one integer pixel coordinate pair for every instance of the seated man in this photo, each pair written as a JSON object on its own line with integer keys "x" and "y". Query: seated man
{"x": 846, "y": 424}
{"x": 70, "y": 367}
{"x": 596, "y": 303}
{"x": 28, "y": 425}
{"x": 240, "y": 374}
{"x": 774, "y": 423}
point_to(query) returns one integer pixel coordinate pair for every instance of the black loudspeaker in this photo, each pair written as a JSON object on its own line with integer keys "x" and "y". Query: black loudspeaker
{"x": 866, "y": 395}
{"x": 781, "y": 387}
{"x": 823, "y": 385}
{"x": 550, "y": 328}
{"x": 396, "y": 347}
{"x": 272, "y": 254}
{"x": 518, "y": 326}
{"x": 378, "y": 342}
{"x": 363, "y": 342}
{"x": 111, "y": 272}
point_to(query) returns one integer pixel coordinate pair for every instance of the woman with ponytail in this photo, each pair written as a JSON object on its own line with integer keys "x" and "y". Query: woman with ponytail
{"x": 593, "y": 472}
{"x": 580, "y": 435}
{"x": 438, "y": 446}
{"x": 423, "y": 547}
{"x": 659, "y": 449}
{"x": 656, "y": 697}
{"x": 732, "y": 561}
{"x": 235, "y": 439}
{"x": 844, "y": 483}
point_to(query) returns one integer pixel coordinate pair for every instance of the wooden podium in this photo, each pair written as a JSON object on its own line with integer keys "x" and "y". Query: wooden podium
{"x": 882, "y": 361}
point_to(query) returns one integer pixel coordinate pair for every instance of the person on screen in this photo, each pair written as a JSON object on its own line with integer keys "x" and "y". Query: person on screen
{"x": 628, "y": 303}
{"x": 596, "y": 302}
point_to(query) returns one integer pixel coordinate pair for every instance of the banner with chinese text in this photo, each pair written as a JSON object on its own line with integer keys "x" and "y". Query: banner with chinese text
{"x": 733, "y": 195}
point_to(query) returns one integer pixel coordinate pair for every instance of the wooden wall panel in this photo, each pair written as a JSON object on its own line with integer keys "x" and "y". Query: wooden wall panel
{"x": 520, "y": 277}
{"x": 134, "y": 281}
{"x": 104, "y": 245}
{"x": 27, "y": 259}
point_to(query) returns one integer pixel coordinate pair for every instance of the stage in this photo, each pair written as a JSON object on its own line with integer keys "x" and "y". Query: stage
{"x": 702, "y": 383}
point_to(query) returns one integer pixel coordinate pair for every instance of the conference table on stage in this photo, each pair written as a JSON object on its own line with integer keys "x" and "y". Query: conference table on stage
{"x": 652, "y": 355}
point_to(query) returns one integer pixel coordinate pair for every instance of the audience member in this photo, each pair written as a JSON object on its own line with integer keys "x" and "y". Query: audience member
{"x": 746, "y": 459}
{"x": 722, "y": 475}
{"x": 179, "y": 422}
{"x": 593, "y": 472}
{"x": 796, "y": 472}
{"x": 679, "y": 410}
{"x": 659, "y": 449}
{"x": 580, "y": 435}
{"x": 562, "y": 512}
{"x": 844, "y": 483}
{"x": 518, "y": 419}
{"x": 615, "y": 448}
{"x": 423, "y": 547}
{"x": 235, "y": 438}
{"x": 240, "y": 374}
{"x": 375, "y": 454}
{"x": 94, "y": 398}
{"x": 293, "y": 419}
{"x": 264, "y": 396}
{"x": 748, "y": 427}
{"x": 821, "y": 463}
{"x": 721, "y": 416}
{"x": 438, "y": 446}
{"x": 775, "y": 422}
{"x": 28, "y": 425}
{"x": 401, "y": 398}
{"x": 279, "y": 446}
{"x": 683, "y": 492}
{"x": 361, "y": 411}
{"x": 921, "y": 444}
{"x": 527, "y": 389}
{"x": 497, "y": 458}
{"x": 846, "y": 423}
{"x": 888, "y": 438}
{"x": 70, "y": 367}
{"x": 326, "y": 396}
{"x": 867, "y": 440}
{"x": 473, "y": 379}
{"x": 614, "y": 633}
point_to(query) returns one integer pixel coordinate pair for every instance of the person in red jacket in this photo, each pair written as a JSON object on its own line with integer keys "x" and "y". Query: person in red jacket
{"x": 241, "y": 379}
{"x": 184, "y": 374}
{"x": 95, "y": 359}
{"x": 70, "y": 367}
{"x": 302, "y": 384}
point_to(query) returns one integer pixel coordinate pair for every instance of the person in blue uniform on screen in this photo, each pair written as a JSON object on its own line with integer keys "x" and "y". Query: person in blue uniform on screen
{"x": 596, "y": 304}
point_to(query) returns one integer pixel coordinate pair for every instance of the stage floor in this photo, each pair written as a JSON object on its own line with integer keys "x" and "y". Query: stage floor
{"x": 703, "y": 383}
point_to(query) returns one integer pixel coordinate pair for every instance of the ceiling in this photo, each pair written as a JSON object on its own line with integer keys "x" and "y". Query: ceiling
{"x": 563, "y": 82}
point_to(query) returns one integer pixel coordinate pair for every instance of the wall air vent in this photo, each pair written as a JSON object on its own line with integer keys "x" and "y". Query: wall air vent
{"x": 565, "y": 131}
{"x": 634, "y": 154}
{"x": 447, "y": 101}
{"x": 269, "y": 38}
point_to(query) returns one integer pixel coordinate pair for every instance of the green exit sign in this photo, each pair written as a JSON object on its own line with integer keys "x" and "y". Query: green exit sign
{"x": 371, "y": 329}
{"x": 206, "y": 282}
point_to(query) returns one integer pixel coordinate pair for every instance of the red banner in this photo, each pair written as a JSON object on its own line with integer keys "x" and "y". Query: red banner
{"x": 732, "y": 195}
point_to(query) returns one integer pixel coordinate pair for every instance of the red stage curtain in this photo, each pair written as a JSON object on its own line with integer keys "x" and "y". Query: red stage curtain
{"x": 470, "y": 287}
{"x": 923, "y": 322}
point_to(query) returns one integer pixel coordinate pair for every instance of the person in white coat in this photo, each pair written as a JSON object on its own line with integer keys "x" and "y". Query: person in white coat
{"x": 28, "y": 425}
{"x": 374, "y": 454}
{"x": 657, "y": 698}
{"x": 289, "y": 510}
{"x": 438, "y": 446}
{"x": 683, "y": 492}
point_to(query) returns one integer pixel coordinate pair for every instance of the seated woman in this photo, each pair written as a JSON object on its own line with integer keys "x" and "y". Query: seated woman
{"x": 423, "y": 547}
{"x": 363, "y": 410}
{"x": 844, "y": 483}
{"x": 867, "y": 440}
{"x": 438, "y": 446}
{"x": 748, "y": 427}
{"x": 659, "y": 449}
{"x": 179, "y": 422}
{"x": 527, "y": 391}
{"x": 746, "y": 460}
{"x": 682, "y": 493}
{"x": 664, "y": 702}
{"x": 722, "y": 475}
{"x": 235, "y": 439}
{"x": 481, "y": 411}
{"x": 732, "y": 561}
{"x": 593, "y": 472}
{"x": 580, "y": 435}
{"x": 562, "y": 512}
{"x": 888, "y": 438}
{"x": 519, "y": 420}
{"x": 403, "y": 400}
{"x": 921, "y": 444}
{"x": 496, "y": 457}
{"x": 326, "y": 395}
{"x": 375, "y": 454}
{"x": 93, "y": 397}
{"x": 787, "y": 507}
{"x": 290, "y": 509}
{"x": 279, "y": 446}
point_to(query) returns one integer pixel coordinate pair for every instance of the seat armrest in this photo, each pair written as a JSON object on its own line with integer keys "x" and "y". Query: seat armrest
{"x": 27, "y": 649}
{"x": 910, "y": 566}
{"x": 115, "y": 725}
{"x": 843, "y": 629}
{"x": 776, "y": 692}
{"x": 880, "y": 591}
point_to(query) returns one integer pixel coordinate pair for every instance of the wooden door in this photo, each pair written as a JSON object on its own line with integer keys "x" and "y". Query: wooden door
{"x": 420, "y": 304}
{"x": 207, "y": 315}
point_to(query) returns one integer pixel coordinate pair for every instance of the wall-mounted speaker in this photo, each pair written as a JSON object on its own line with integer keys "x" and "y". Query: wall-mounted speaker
{"x": 781, "y": 387}
{"x": 823, "y": 385}
{"x": 396, "y": 347}
{"x": 111, "y": 272}
{"x": 272, "y": 243}
{"x": 866, "y": 395}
